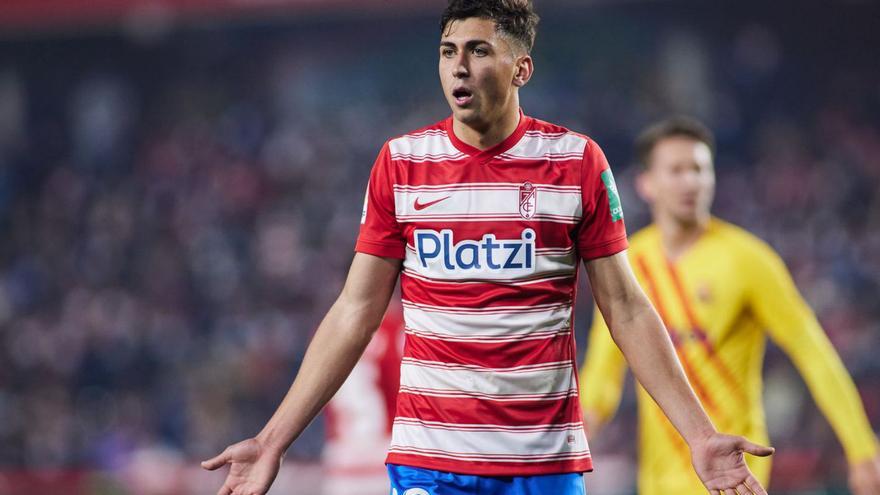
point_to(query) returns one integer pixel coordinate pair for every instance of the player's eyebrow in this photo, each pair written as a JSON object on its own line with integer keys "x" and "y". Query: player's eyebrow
{"x": 468, "y": 44}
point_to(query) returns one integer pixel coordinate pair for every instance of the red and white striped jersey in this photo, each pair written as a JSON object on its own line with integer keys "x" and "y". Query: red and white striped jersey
{"x": 490, "y": 242}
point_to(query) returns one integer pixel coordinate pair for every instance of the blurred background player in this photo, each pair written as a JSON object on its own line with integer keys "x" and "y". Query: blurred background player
{"x": 360, "y": 415}
{"x": 721, "y": 291}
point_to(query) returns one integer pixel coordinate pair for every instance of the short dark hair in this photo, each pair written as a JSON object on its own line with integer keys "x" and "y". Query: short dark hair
{"x": 679, "y": 126}
{"x": 515, "y": 18}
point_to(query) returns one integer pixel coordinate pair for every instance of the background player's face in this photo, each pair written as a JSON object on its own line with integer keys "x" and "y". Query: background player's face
{"x": 680, "y": 179}
{"x": 480, "y": 71}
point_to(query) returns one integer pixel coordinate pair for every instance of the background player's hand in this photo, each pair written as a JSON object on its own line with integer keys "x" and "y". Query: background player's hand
{"x": 864, "y": 477}
{"x": 252, "y": 468}
{"x": 720, "y": 464}
{"x": 592, "y": 423}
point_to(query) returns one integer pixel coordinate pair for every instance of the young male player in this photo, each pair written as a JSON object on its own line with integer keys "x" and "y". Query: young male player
{"x": 484, "y": 216}
{"x": 720, "y": 291}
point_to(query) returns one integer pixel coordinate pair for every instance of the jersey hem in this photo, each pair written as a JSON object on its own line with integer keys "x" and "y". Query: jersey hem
{"x": 381, "y": 249}
{"x": 583, "y": 465}
{"x": 607, "y": 249}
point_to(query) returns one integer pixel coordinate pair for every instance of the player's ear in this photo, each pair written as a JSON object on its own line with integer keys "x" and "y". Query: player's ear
{"x": 644, "y": 186}
{"x": 525, "y": 66}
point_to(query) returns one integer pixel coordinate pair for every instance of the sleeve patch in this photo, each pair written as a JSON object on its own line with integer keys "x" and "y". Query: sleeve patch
{"x": 614, "y": 205}
{"x": 366, "y": 201}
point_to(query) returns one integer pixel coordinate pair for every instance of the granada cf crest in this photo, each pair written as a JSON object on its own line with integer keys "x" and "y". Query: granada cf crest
{"x": 528, "y": 200}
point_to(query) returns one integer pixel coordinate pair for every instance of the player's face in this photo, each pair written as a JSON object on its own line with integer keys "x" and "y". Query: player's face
{"x": 479, "y": 71}
{"x": 680, "y": 179}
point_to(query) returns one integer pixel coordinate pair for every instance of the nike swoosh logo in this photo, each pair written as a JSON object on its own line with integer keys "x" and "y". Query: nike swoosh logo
{"x": 422, "y": 206}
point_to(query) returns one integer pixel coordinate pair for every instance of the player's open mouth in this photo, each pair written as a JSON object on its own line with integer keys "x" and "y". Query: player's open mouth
{"x": 462, "y": 96}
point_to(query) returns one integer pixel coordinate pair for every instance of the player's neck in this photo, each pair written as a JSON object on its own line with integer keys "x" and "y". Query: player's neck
{"x": 678, "y": 236}
{"x": 486, "y": 135}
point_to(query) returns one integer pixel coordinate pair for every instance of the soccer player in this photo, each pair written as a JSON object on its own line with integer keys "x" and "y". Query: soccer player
{"x": 720, "y": 292}
{"x": 485, "y": 217}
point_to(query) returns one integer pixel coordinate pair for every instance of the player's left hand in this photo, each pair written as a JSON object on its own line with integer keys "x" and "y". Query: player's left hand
{"x": 864, "y": 477}
{"x": 252, "y": 467}
{"x": 720, "y": 464}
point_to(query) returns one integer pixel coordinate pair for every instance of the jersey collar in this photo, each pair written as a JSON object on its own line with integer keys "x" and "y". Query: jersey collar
{"x": 483, "y": 156}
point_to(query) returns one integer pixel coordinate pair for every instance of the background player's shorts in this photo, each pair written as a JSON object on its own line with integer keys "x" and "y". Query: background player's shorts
{"x": 416, "y": 481}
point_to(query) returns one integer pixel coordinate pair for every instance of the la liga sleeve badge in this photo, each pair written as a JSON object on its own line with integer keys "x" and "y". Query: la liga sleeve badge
{"x": 613, "y": 197}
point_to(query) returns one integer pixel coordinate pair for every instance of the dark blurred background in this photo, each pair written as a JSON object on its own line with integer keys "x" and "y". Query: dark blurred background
{"x": 181, "y": 183}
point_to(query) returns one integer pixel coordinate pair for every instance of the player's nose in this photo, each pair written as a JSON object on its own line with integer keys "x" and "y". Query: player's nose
{"x": 460, "y": 68}
{"x": 690, "y": 180}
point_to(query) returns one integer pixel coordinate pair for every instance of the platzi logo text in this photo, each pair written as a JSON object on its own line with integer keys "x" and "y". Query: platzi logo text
{"x": 438, "y": 252}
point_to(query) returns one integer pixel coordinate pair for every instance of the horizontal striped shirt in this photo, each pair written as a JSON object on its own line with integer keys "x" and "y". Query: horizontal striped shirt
{"x": 490, "y": 242}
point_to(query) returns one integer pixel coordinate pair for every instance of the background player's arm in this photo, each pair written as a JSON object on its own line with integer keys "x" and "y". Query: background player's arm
{"x": 792, "y": 325}
{"x": 335, "y": 349}
{"x": 639, "y": 332}
{"x": 602, "y": 376}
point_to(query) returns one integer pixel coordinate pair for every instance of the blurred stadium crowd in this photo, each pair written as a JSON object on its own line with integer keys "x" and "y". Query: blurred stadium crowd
{"x": 178, "y": 211}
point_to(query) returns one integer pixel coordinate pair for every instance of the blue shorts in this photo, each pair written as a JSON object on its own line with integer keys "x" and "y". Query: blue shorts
{"x": 417, "y": 481}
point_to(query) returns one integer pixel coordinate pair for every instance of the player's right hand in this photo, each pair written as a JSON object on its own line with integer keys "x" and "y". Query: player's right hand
{"x": 252, "y": 468}
{"x": 864, "y": 477}
{"x": 592, "y": 423}
{"x": 720, "y": 464}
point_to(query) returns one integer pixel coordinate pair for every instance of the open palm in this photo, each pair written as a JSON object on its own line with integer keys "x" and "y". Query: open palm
{"x": 252, "y": 469}
{"x": 720, "y": 464}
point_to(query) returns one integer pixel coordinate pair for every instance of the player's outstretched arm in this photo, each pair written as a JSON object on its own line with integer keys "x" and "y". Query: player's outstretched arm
{"x": 335, "y": 349}
{"x": 776, "y": 302}
{"x": 640, "y": 334}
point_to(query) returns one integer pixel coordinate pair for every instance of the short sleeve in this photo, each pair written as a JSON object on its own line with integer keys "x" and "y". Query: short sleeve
{"x": 601, "y": 231}
{"x": 380, "y": 234}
